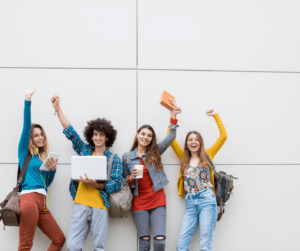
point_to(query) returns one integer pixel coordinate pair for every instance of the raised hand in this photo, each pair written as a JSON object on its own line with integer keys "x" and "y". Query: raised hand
{"x": 210, "y": 112}
{"x": 29, "y": 92}
{"x": 55, "y": 102}
{"x": 176, "y": 110}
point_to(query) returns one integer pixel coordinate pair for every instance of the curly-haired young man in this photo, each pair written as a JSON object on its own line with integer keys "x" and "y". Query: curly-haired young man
{"x": 90, "y": 209}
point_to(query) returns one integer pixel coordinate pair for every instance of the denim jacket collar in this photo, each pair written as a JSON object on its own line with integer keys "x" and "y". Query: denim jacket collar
{"x": 134, "y": 154}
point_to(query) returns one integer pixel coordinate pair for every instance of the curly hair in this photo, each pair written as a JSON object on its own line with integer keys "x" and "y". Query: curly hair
{"x": 101, "y": 125}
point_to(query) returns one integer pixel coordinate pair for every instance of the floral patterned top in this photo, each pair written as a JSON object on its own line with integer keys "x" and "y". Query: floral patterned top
{"x": 196, "y": 179}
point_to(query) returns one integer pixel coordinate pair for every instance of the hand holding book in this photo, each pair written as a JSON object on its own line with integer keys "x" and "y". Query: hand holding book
{"x": 176, "y": 110}
{"x": 168, "y": 101}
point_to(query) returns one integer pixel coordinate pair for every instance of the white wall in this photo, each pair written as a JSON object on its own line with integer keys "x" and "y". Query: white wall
{"x": 114, "y": 58}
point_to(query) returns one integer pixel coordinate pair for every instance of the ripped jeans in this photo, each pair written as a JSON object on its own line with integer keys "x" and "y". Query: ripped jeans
{"x": 200, "y": 209}
{"x": 157, "y": 218}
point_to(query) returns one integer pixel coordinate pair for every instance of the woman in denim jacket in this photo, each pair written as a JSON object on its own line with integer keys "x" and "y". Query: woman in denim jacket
{"x": 149, "y": 199}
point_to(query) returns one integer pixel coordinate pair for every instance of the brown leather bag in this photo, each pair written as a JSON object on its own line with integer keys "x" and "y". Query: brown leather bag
{"x": 10, "y": 212}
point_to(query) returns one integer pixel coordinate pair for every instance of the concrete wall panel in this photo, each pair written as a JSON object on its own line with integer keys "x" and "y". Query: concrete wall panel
{"x": 92, "y": 34}
{"x": 217, "y": 35}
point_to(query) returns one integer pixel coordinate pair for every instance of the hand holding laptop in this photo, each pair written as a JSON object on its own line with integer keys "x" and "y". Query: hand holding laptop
{"x": 91, "y": 182}
{"x": 87, "y": 181}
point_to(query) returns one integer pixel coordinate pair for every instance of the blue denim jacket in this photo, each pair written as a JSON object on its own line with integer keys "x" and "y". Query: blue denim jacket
{"x": 159, "y": 178}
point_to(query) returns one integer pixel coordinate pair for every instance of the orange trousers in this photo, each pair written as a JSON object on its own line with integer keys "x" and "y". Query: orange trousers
{"x": 32, "y": 214}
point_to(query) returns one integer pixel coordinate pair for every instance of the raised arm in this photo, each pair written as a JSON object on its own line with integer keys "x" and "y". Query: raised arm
{"x": 176, "y": 147}
{"x": 24, "y": 140}
{"x": 78, "y": 145}
{"x": 56, "y": 105}
{"x": 167, "y": 141}
{"x": 212, "y": 151}
{"x": 69, "y": 131}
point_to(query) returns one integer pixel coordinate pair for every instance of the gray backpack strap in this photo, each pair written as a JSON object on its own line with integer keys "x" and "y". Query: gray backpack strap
{"x": 110, "y": 166}
{"x": 211, "y": 164}
{"x": 219, "y": 203}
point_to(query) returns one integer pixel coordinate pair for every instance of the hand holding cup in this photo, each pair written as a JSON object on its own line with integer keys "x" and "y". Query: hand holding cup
{"x": 137, "y": 173}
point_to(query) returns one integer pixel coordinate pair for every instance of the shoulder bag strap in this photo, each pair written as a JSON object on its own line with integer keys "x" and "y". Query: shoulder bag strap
{"x": 211, "y": 164}
{"x": 19, "y": 171}
{"x": 110, "y": 166}
{"x": 24, "y": 168}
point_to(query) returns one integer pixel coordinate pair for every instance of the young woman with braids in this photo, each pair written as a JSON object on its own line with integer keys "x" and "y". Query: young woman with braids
{"x": 196, "y": 180}
{"x": 149, "y": 199}
{"x": 33, "y": 209}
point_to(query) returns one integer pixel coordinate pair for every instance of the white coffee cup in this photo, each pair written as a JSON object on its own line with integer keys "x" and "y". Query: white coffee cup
{"x": 140, "y": 168}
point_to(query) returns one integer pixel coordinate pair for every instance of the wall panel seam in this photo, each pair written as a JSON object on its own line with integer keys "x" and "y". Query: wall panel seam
{"x": 145, "y": 69}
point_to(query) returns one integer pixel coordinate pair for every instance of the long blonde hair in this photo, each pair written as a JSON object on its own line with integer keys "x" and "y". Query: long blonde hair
{"x": 187, "y": 154}
{"x": 43, "y": 151}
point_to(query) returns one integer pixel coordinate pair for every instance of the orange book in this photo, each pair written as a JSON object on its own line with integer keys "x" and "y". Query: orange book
{"x": 164, "y": 100}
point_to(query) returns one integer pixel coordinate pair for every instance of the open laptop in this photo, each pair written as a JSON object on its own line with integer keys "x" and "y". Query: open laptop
{"x": 94, "y": 166}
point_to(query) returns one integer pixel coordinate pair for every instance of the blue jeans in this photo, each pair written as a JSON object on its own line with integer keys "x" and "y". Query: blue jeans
{"x": 200, "y": 208}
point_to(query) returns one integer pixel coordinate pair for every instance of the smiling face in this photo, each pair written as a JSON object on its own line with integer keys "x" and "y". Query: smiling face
{"x": 193, "y": 143}
{"x": 37, "y": 137}
{"x": 144, "y": 137}
{"x": 99, "y": 138}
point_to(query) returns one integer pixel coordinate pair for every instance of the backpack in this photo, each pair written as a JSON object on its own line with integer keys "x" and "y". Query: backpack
{"x": 223, "y": 187}
{"x": 121, "y": 201}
